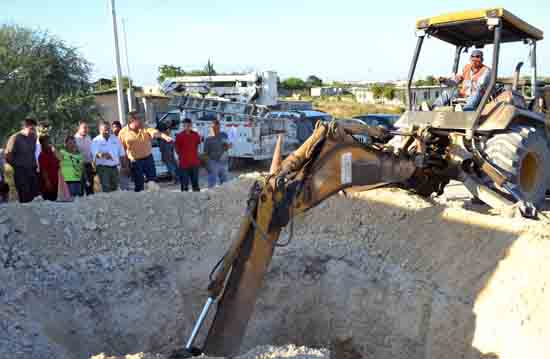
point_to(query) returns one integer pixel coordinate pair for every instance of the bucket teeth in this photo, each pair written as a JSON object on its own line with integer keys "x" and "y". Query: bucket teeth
{"x": 276, "y": 161}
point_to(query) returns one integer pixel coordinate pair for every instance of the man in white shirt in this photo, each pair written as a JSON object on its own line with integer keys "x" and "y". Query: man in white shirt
{"x": 84, "y": 143}
{"x": 108, "y": 154}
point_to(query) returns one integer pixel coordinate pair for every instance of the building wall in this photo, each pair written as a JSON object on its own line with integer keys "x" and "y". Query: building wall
{"x": 425, "y": 93}
{"x": 419, "y": 94}
{"x": 107, "y": 106}
{"x": 325, "y": 91}
{"x": 316, "y": 91}
{"x": 147, "y": 106}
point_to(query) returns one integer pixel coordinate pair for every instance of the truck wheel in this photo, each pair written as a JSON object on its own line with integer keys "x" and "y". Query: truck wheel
{"x": 523, "y": 155}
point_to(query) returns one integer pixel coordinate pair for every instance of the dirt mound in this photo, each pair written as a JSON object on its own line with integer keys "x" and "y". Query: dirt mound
{"x": 381, "y": 275}
{"x": 263, "y": 352}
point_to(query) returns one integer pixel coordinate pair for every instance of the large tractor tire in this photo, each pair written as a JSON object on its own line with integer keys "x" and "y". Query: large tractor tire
{"x": 523, "y": 155}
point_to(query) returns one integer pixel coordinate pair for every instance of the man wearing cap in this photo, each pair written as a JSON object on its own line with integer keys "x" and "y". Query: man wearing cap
{"x": 475, "y": 78}
{"x": 136, "y": 140}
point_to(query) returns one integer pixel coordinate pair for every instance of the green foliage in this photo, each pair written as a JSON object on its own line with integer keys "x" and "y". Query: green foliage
{"x": 169, "y": 71}
{"x": 125, "y": 82}
{"x": 314, "y": 81}
{"x": 166, "y": 71}
{"x": 293, "y": 83}
{"x": 377, "y": 91}
{"x": 428, "y": 81}
{"x": 209, "y": 68}
{"x": 388, "y": 92}
{"x": 37, "y": 69}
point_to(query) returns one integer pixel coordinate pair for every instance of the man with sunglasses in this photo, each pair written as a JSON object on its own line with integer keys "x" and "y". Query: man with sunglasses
{"x": 474, "y": 78}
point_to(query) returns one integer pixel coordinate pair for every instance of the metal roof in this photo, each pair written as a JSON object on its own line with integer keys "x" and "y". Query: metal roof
{"x": 469, "y": 28}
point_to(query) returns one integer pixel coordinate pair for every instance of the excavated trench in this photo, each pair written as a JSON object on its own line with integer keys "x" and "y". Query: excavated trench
{"x": 381, "y": 275}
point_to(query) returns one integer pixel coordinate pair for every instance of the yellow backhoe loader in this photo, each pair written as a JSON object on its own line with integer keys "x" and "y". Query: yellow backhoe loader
{"x": 499, "y": 151}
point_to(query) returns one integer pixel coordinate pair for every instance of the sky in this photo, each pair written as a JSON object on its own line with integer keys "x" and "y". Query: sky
{"x": 335, "y": 40}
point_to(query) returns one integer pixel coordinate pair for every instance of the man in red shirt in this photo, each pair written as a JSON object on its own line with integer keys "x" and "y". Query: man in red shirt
{"x": 187, "y": 143}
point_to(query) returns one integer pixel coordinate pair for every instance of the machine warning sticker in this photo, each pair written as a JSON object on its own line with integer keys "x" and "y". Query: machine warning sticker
{"x": 345, "y": 171}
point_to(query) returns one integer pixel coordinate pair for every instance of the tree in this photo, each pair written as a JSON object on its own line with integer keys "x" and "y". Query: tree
{"x": 314, "y": 81}
{"x": 209, "y": 68}
{"x": 293, "y": 83}
{"x": 388, "y": 92}
{"x": 169, "y": 71}
{"x": 377, "y": 91}
{"x": 428, "y": 81}
{"x": 166, "y": 71}
{"x": 36, "y": 69}
{"x": 125, "y": 82}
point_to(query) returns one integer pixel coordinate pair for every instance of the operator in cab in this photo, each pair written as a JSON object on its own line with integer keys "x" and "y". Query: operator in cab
{"x": 470, "y": 85}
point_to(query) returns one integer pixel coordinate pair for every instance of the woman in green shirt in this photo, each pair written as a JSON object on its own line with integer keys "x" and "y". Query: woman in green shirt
{"x": 72, "y": 165}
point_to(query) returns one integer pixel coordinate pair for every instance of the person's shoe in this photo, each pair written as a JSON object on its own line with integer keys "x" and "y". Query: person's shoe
{"x": 152, "y": 186}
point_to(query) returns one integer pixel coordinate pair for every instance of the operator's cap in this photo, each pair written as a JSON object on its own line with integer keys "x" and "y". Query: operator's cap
{"x": 477, "y": 53}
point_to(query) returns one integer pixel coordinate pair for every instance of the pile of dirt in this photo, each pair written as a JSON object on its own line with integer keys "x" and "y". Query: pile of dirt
{"x": 263, "y": 352}
{"x": 383, "y": 274}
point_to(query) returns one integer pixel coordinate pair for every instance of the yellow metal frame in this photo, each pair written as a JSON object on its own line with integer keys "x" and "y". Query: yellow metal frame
{"x": 477, "y": 15}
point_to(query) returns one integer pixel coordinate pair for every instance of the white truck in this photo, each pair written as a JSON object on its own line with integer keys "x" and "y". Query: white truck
{"x": 242, "y": 103}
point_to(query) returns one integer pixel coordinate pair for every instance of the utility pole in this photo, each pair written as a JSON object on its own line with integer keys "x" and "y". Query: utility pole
{"x": 130, "y": 87}
{"x": 120, "y": 93}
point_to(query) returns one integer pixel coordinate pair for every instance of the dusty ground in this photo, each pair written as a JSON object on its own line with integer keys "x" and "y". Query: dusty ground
{"x": 384, "y": 274}
{"x": 262, "y": 352}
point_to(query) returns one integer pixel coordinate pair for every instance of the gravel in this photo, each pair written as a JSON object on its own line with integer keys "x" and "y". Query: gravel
{"x": 382, "y": 274}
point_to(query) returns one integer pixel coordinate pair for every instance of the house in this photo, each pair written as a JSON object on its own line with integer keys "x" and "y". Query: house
{"x": 102, "y": 83}
{"x": 419, "y": 94}
{"x": 424, "y": 93}
{"x": 363, "y": 94}
{"x": 326, "y": 91}
{"x": 146, "y": 103}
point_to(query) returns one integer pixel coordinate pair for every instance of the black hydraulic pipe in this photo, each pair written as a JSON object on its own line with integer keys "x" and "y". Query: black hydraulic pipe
{"x": 534, "y": 89}
{"x": 413, "y": 68}
{"x": 457, "y": 58}
{"x": 492, "y": 82}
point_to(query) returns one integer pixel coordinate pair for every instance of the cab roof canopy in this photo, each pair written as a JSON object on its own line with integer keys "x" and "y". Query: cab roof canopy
{"x": 469, "y": 28}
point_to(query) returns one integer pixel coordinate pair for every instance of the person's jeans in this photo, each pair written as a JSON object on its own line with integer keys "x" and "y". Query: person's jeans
{"x": 173, "y": 170}
{"x": 187, "y": 174}
{"x": 216, "y": 170}
{"x": 141, "y": 168}
{"x": 448, "y": 95}
{"x": 75, "y": 188}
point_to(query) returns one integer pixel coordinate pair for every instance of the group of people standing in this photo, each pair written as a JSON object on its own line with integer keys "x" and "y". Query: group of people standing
{"x": 115, "y": 155}
{"x": 41, "y": 168}
{"x": 186, "y": 169}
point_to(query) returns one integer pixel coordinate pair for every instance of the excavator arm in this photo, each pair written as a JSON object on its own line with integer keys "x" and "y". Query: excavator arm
{"x": 331, "y": 160}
